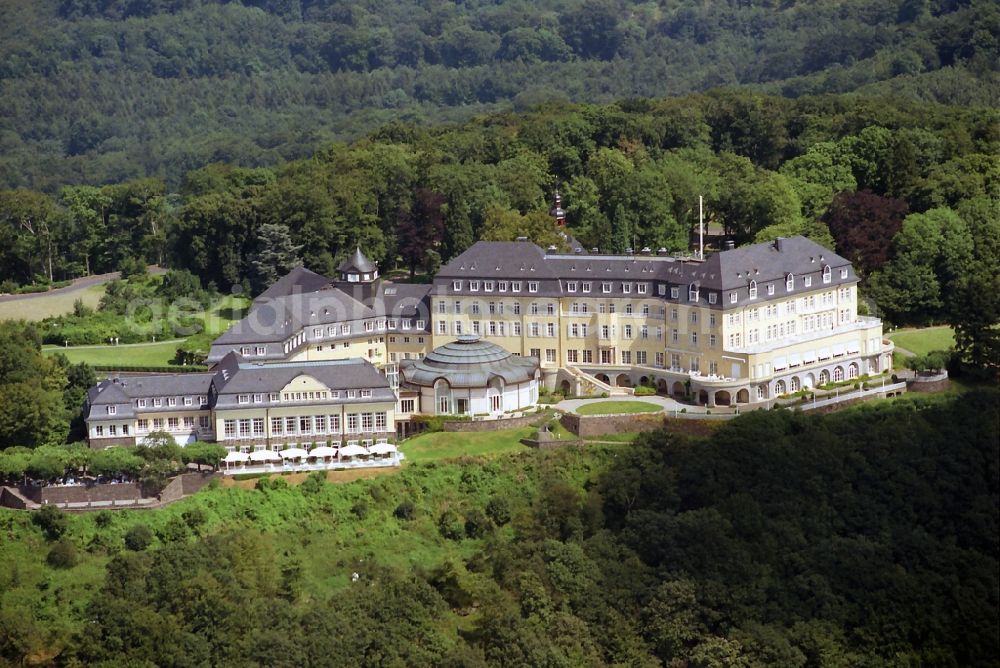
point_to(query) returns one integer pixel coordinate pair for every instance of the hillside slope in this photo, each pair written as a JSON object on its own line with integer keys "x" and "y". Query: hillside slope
{"x": 99, "y": 91}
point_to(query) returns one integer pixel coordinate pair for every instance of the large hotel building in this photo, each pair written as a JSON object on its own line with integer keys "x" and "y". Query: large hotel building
{"x": 738, "y": 327}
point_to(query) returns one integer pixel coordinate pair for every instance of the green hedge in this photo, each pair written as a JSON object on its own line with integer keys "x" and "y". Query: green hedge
{"x": 159, "y": 369}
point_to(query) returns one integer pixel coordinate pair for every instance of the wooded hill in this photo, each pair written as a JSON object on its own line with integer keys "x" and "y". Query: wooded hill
{"x": 868, "y": 538}
{"x": 103, "y": 91}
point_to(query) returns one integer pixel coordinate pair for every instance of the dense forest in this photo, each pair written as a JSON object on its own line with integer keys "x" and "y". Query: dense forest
{"x": 868, "y": 537}
{"x": 105, "y": 91}
{"x": 909, "y": 191}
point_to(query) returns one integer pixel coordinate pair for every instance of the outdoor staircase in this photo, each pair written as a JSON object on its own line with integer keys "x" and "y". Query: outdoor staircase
{"x": 597, "y": 386}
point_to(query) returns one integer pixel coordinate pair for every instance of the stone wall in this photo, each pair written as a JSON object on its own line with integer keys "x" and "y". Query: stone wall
{"x": 10, "y": 498}
{"x": 493, "y": 425}
{"x": 935, "y": 383}
{"x": 81, "y": 494}
{"x": 593, "y": 426}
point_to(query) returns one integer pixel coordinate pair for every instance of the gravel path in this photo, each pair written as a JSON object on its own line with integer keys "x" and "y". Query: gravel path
{"x": 77, "y": 285}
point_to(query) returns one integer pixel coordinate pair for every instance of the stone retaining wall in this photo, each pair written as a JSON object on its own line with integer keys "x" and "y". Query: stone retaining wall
{"x": 82, "y": 494}
{"x": 493, "y": 425}
{"x": 592, "y": 426}
{"x": 12, "y": 499}
{"x": 938, "y": 383}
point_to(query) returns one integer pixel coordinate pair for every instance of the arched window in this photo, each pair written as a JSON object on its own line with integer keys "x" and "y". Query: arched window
{"x": 753, "y": 289}
{"x": 838, "y": 374}
{"x": 827, "y": 274}
{"x": 852, "y": 371}
{"x": 779, "y": 388}
{"x": 790, "y": 282}
{"x": 693, "y": 292}
{"x": 824, "y": 377}
{"x": 795, "y": 385}
{"x": 442, "y": 396}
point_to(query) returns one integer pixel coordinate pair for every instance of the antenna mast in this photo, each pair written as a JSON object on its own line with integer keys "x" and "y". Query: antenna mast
{"x": 701, "y": 230}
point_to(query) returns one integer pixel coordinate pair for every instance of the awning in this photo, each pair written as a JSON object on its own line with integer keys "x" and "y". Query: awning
{"x": 853, "y": 347}
{"x": 794, "y": 359}
{"x": 838, "y": 350}
{"x": 809, "y": 357}
{"x": 264, "y": 456}
{"x": 824, "y": 353}
{"x": 236, "y": 457}
{"x": 780, "y": 363}
{"x": 323, "y": 451}
{"x": 352, "y": 451}
{"x": 293, "y": 453}
{"x": 382, "y": 449}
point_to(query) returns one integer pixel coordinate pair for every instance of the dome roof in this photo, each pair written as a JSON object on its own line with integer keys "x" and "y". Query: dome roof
{"x": 468, "y": 362}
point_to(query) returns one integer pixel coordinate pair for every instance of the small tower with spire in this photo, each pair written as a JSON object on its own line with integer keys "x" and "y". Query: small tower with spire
{"x": 557, "y": 211}
{"x": 358, "y": 276}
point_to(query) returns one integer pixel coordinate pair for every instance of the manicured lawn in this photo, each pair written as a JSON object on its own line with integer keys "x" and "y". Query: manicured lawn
{"x": 612, "y": 407}
{"x": 923, "y": 341}
{"x": 138, "y": 354}
{"x": 41, "y": 306}
{"x": 452, "y": 444}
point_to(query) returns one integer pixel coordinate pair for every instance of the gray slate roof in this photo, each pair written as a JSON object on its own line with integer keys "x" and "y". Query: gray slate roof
{"x": 357, "y": 263}
{"x": 468, "y": 362}
{"x": 297, "y": 281}
{"x": 723, "y": 271}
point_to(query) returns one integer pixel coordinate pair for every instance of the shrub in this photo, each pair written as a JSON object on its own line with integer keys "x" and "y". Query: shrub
{"x": 498, "y": 510}
{"x": 62, "y": 555}
{"x": 138, "y": 538}
{"x": 604, "y": 395}
{"x": 360, "y": 509}
{"x": 104, "y": 519}
{"x": 450, "y": 525}
{"x": 8, "y": 287}
{"x": 477, "y": 525}
{"x": 174, "y": 531}
{"x": 52, "y": 521}
{"x": 314, "y": 483}
{"x": 644, "y": 391}
{"x": 406, "y": 510}
{"x": 195, "y": 517}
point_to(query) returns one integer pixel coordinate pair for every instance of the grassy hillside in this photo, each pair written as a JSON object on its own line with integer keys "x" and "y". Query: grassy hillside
{"x": 98, "y": 92}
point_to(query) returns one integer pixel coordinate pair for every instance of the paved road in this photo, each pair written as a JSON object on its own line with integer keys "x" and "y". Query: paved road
{"x": 77, "y": 285}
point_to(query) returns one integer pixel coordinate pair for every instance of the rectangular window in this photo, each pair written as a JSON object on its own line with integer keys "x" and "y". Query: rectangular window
{"x": 588, "y": 356}
{"x": 712, "y": 297}
{"x": 334, "y": 424}
{"x": 243, "y": 398}
{"x": 572, "y": 356}
{"x": 142, "y": 425}
{"x": 366, "y": 422}
{"x": 258, "y": 426}
{"x": 474, "y": 286}
{"x": 640, "y": 357}
{"x": 550, "y": 354}
{"x": 675, "y": 292}
{"x": 456, "y": 285}
{"x": 441, "y": 307}
{"x": 488, "y": 286}
{"x": 112, "y": 410}
{"x": 807, "y": 280}
{"x": 550, "y": 329}
{"x": 406, "y": 405}
{"x": 189, "y": 422}
{"x": 732, "y": 297}
{"x": 277, "y": 426}
{"x": 319, "y": 422}
{"x": 442, "y": 327}
{"x": 606, "y": 287}
{"x": 352, "y": 423}
{"x": 641, "y": 287}
{"x": 244, "y": 428}
{"x": 532, "y": 286}
{"x": 626, "y": 357}
{"x": 515, "y": 286}
{"x": 586, "y": 286}
{"x": 158, "y": 424}
{"x": 626, "y": 288}
{"x": 571, "y": 286}
{"x": 141, "y": 403}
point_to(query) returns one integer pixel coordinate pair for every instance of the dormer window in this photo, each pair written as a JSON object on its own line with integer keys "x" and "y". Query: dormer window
{"x": 843, "y": 272}
{"x": 789, "y": 282}
{"x": 693, "y": 292}
{"x": 732, "y": 297}
{"x": 712, "y": 297}
{"x": 474, "y": 286}
{"x": 827, "y": 274}
{"x": 807, "y": 281}
{"x": 571, "y": 286}
{"x": 770, "y": 289}
{"x": 488, "y": 286}
{"x": 456, "y": 285}
{"x": 753, "y": 289}
{"x": 112, "y": 410}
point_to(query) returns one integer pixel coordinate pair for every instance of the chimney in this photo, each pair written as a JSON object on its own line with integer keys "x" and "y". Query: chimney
{"x": 594, "y": 250}
{"x": 777, "y": 244}
{"x": 551, "y": 250}
{"x": 521, "y": 239}
{"x": 661, "y": 251}
{"x": 729, "y": 244}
